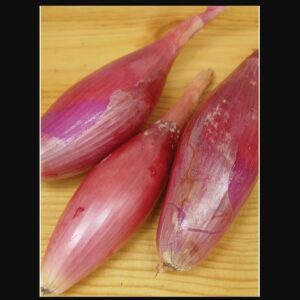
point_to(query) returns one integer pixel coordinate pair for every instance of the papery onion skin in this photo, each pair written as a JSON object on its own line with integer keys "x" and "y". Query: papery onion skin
{"x": 109, "y": 106}
{"x": 115, "y": 198}
{"x": 214, "y": 170}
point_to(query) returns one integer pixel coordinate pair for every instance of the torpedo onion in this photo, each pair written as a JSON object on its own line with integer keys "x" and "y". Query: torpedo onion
{"x": 214, "y": 170}
{"x": 109, "y": 106}
{"x": 116, "y": 196}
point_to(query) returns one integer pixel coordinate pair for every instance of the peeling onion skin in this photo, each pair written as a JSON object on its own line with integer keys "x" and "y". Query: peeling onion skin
{"x": 214, "y": 170}
{"x": 106, "y": 108}
{"x": 116, "y": 197}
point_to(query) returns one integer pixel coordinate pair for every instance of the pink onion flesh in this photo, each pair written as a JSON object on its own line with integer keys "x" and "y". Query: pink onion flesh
{"x": 115, "y": 198}
{"x": 109, "y": 106}
{"x": 214, "y": 170}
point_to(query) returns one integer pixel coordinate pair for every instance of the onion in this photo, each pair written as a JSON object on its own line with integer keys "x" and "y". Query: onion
{"x": 214, "y": 170}
{"x": 115, "y": 198}
{"x": 109, "y": 106}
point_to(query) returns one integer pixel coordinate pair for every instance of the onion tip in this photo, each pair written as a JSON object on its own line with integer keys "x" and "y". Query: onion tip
{"x": 46, "y": 291}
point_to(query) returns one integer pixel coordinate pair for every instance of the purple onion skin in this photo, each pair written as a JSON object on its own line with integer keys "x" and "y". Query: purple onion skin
{"x": 101, "y": 112}
{"x": 106, "y": 108}
{"x": 214, "y": 170}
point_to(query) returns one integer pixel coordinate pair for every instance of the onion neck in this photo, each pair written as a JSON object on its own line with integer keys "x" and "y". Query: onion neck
{"x": 186, "y": 106}
{"x": 191, "y": 26}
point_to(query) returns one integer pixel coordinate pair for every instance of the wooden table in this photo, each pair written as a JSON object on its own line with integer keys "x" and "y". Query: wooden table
{"x": 77, "y": 40}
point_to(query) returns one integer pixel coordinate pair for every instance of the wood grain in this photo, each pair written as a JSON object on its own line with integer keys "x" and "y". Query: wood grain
{"x": 77, "y": 40}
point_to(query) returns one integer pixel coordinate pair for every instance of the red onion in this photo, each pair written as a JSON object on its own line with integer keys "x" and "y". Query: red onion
{"x": 109, "y": 106}
{"x": 214, "y": 170}
{"x": 115, "y": 198}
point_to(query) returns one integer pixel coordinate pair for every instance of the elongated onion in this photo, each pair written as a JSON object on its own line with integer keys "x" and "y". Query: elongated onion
{"x": 109, "y": 106}
{"x": 215, "y": 168}
{"x": 115, "y": 198}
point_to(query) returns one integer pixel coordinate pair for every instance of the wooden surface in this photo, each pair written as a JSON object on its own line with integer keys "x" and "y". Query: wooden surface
{"x": 78, "y": 40}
